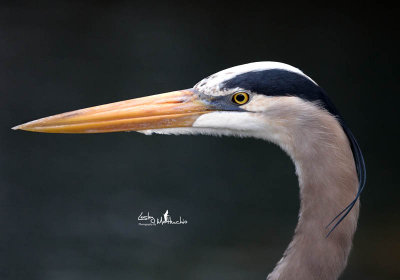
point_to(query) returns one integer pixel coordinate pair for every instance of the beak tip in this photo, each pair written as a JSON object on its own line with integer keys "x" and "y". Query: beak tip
{"x": 24, "y": 126}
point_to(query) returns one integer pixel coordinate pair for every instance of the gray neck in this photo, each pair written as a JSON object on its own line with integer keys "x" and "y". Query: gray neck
{"x": 328, "y": 183}
{"x": 325, "y": 167}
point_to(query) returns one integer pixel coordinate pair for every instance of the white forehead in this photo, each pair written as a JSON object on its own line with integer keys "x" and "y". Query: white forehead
{"x": 211, "y": 84}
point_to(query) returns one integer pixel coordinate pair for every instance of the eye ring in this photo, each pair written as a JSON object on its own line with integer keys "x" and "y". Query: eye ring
{"x": 240, "y": 98}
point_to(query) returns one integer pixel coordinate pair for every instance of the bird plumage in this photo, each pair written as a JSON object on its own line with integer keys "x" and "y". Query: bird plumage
{"x": 285, "y": 105}
{"x": 275, "y": 79}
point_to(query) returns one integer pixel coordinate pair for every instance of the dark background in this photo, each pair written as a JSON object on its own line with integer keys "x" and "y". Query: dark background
{"x": 69, "y": 203}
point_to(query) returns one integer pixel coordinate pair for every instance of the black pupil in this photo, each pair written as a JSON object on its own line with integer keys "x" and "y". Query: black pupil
{"x": 240, "y": 97}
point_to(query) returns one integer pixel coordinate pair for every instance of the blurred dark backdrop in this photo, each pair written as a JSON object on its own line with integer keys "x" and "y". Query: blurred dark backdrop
{"x": 69, "y": 203}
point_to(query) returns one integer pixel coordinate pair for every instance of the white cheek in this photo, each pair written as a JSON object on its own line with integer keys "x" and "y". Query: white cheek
{"x": 239, "y": 121}
{"x": 243, "y": 124}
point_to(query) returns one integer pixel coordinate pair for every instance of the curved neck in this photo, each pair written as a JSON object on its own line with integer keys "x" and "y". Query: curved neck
{"x": 328, "y": 183}
{"x": 325, "y": 167}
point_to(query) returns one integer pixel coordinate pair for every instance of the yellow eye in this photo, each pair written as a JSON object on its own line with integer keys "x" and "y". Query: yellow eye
{"x": 240, "y": 98}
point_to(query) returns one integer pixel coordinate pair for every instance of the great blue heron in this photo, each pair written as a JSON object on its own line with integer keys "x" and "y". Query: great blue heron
{"x": 271, "y": 101}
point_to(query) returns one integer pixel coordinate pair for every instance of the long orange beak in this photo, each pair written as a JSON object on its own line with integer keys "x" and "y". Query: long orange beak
{"x": 167, "y": 110}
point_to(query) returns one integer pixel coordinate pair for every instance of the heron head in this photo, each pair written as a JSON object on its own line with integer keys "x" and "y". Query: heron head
{"x": 236, "y": 101}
